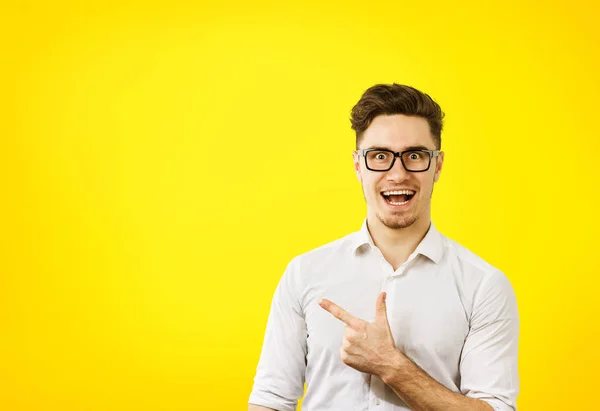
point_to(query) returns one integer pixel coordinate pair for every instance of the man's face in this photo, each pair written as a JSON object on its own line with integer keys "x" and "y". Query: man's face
{"x": 398, "y": 133}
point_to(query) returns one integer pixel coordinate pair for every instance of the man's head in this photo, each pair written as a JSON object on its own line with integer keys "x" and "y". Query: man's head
{"x": 397, "y": 118}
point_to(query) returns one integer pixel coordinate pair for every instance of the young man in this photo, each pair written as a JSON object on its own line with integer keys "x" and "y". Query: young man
{"x": 395, "y": 316}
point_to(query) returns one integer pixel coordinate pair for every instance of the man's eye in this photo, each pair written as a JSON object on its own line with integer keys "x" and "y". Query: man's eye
{"x": 380, "y": 156}
{"x": 414, "y": 156}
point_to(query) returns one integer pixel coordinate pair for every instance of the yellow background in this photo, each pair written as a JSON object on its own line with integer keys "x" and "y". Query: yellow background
{"x": 161, "y": 164}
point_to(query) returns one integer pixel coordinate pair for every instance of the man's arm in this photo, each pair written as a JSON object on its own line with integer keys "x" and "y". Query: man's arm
{"x": 252, "y": 407}
{"x": 280, "y": 374}
{"x": 488, "y": 364}
{"x": 422, "y": 393}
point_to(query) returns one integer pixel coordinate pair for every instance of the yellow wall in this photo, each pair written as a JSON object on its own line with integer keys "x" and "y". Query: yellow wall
{"x": 161, "y": 164}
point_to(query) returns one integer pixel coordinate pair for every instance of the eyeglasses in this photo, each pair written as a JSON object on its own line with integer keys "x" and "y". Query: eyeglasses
{"x": 415, "y": 161}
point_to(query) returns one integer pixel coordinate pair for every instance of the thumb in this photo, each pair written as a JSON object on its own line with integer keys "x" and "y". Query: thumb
{"x": 381, "y": 309}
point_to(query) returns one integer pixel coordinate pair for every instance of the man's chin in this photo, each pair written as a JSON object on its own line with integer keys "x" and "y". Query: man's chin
{"x": 395, "y": 222}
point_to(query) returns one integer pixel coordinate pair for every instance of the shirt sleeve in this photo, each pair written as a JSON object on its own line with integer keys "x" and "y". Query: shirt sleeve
{"x": 279, "y": 380}
{"x": 488, "y": 365}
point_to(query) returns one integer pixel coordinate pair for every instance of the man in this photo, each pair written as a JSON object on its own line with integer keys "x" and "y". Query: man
{"x": 395, "y": 316}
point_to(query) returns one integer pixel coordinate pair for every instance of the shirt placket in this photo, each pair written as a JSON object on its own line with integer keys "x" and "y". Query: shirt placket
{"x": 377, "y": 388}
{"x": 377, "y": 395}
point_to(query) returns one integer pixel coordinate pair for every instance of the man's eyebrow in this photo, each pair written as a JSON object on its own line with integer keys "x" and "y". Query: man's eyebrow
{"x": 405, "y": 149}
{"x": 417, "y": 148}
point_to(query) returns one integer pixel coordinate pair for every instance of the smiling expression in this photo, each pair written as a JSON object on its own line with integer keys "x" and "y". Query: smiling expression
{"x": 398, "y": 198}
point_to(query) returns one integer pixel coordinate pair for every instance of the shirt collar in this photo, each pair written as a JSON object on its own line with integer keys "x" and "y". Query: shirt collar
{"x": 431, "y": 246}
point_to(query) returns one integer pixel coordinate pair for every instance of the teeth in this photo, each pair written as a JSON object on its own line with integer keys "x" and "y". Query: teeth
{"x": 395, "y": 203}
{"x": 400, "y": 192}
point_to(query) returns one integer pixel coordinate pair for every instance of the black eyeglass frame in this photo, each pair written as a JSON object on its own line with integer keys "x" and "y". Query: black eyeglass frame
{"x": 432, "y": 154}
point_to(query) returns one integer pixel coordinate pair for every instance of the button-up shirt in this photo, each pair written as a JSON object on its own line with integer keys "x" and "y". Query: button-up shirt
{"x": 450, "y": 312}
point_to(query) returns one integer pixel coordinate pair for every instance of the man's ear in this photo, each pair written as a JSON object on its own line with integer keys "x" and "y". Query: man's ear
{"x": 438, "y": 166}
{"x": 356, "y": 159}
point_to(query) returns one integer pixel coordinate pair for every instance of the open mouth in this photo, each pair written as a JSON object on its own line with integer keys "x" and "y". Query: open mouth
{"x": 398, "y": 197}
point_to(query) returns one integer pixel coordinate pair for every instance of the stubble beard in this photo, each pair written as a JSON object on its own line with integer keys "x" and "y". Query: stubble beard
{"x": 397, "y": 222}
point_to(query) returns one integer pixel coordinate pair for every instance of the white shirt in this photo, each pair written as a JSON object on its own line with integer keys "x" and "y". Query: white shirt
{"x": 451, "y": 312}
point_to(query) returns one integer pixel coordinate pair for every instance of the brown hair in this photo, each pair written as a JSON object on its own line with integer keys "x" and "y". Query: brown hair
{"x": 387, "y": 99}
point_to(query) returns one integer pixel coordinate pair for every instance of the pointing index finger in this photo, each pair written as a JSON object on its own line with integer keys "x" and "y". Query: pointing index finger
{"x": 341, "y": 314}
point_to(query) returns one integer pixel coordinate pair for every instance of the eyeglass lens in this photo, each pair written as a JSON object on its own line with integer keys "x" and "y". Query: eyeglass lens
{"x": 412, "y": 160}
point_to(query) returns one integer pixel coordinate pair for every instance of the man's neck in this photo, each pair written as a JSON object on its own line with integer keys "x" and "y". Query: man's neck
{"x": 396, "y": 245}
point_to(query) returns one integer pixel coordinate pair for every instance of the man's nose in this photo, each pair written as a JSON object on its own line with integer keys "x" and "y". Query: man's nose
{"x": 397, "y": 172}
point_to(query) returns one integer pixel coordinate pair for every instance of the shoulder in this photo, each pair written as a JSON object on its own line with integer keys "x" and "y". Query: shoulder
{"x": 319, "y": 263}
{"x": 332, "y": 252}
{"x": 467, "y": 258}
{"x": 481, "y": 278}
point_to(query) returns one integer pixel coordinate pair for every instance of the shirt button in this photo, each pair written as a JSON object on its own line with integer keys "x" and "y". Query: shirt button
{"x": 377, "y": 402}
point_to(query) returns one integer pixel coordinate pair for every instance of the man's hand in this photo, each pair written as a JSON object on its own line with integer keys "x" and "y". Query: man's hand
{"x": 367, "y": 347}
{"x": 370, "y": 347}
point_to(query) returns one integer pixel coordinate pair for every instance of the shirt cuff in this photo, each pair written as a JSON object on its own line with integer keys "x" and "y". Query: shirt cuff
{"x": 497, "y": 404}
{"x": 271, "y": 402}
